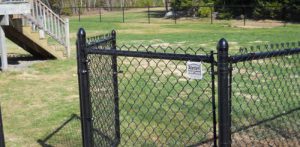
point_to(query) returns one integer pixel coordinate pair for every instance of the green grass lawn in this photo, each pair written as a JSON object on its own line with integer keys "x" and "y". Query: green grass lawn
{"x": 38, "y": 99}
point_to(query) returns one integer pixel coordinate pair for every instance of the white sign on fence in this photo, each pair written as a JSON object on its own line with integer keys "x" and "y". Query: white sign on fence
{"x": 194, "y": 70}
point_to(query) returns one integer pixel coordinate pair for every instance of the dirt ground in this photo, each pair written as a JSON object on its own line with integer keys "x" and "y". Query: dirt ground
{"x": 257, "y": 24}
{"x": 21, "y": 62}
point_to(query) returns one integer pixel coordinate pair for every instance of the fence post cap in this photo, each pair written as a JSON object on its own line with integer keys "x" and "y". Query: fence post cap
{"x": 222, "y": 45}
{"x": 113, "y": 32}
{"x": 81, "y": 32}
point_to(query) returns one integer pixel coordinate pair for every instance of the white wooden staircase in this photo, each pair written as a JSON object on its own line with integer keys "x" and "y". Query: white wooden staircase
{"x": 41, "y": 32}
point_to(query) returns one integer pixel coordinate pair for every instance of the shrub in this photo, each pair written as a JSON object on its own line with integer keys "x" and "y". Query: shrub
{"x": 224, "y": 15}
{"x": 205, "y": 11}
{"x": 66, "y": 11}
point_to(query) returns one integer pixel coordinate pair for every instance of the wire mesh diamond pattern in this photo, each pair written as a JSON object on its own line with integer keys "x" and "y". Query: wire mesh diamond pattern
{"x": 159, "y": 105}
{"x": 102, "y": 100}
{"x": 265, "y": 99}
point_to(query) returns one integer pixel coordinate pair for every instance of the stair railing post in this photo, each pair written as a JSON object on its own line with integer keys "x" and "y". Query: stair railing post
{"x": 3, "y": 50}
{"x": 223, "y": 94}
{"x": 44, "y": 19}
{"x": 67, "y": 37}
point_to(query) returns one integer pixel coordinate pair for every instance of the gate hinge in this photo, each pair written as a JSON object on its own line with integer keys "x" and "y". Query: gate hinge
{"x": 85, "y": 61}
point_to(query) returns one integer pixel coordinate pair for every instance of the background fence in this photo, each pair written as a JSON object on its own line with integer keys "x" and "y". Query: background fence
{"x": 136, "y": 95}
{"x": 210, "y": 14}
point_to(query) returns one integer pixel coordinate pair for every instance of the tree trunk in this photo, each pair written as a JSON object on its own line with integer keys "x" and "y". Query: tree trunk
{"x": 95, "y": 1}
{"x": 87, "y": 5}
{"x": 166, "y": 5}
{"x": 108, "y": 5}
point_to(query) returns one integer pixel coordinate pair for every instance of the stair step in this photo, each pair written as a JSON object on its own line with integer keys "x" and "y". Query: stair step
{"x": 31, "y": 42}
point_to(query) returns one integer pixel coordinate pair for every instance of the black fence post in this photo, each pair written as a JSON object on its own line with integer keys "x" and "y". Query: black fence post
{"x": 2, "y": 140}
{"x": 100, "y": 14}
{"x": 115, "y": 85}
{"x": 123, "y": 14}
{"x": 148, "y": 14}
{"x": 83, "y": 79}
{"x": 284, "y": 10}
{"x": 79, "y": 14}
{"x": 223, "y": 94}
{"x": 175, "y": 21}
{"x": 244, "y": 18}
{"x": 211, "y": 15}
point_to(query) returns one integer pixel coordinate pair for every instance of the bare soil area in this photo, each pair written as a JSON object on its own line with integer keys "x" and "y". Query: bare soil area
{"x": 258, "y": 24}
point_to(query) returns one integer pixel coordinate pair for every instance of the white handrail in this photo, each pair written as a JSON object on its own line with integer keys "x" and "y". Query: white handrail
{"x": 45, "y": 19}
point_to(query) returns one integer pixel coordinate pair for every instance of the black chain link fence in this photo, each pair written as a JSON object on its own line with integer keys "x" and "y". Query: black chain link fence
{"x": 242, "y": 14}
{"x": 158, "y": 104}
{"x": 265, "y": 96}
{"x": 142, "y": 95}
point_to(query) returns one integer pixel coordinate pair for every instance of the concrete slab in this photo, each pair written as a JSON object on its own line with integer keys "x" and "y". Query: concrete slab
{"x": 4, "y": 20}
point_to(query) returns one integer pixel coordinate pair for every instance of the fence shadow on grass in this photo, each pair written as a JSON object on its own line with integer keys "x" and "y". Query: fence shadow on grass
{"x": 15, "y": 59}
{"x": 68, "y": 134}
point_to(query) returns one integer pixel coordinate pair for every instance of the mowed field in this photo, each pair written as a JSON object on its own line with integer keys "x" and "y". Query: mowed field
{"x": 37, "y": 99}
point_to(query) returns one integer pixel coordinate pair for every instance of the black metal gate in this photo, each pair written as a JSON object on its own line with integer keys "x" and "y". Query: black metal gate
{"x": 145, "y": 96}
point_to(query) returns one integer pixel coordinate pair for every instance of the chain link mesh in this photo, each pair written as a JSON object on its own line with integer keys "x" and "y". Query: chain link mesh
{"x": 265, "y": 98}
{"x": 164, "y": 49}
{"x": 100, "y": 42}
{"x": 102, "y": 100}
{"x": 159, "y": 105}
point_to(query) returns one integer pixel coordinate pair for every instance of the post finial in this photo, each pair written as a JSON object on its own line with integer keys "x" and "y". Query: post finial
{"x": 113, "y": 33}
{"x": 222, "y": 45}
{"x": 81, "y": 32}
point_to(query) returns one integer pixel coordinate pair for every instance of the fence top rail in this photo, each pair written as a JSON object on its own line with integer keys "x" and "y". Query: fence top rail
{"x": 263, "y": 55}
{"x": 91, "y": 43}
{"x": 152, "y": 55}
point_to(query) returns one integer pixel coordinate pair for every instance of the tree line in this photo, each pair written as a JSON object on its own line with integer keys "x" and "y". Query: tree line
{"x": 255, "y": 9}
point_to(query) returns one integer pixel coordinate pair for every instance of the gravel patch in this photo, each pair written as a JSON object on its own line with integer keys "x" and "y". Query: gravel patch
{"x": 21, "y": 62}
